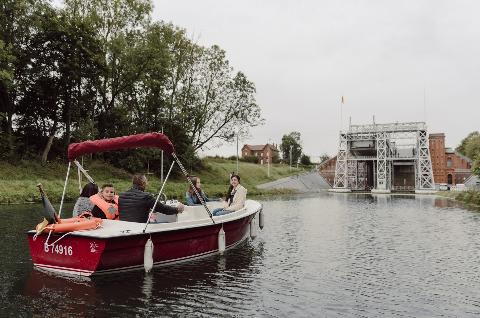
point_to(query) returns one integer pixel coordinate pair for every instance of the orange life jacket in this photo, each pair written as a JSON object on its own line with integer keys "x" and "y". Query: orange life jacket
{"x": 109, "y": 209}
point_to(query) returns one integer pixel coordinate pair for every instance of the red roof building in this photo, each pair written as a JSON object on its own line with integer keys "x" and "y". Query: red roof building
{"x": 265, "y": 153}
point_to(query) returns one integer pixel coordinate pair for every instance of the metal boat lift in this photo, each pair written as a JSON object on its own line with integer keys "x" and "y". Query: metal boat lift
{"x": 384, "y": 158}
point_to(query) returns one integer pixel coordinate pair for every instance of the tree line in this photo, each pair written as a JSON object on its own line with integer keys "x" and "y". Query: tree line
{"x": 93, "y": 69}
{"x": 470, "y": 147}
{"x": 291, "y": 149}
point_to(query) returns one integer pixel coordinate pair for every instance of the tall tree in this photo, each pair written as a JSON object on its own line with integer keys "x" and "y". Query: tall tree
{"x": 462, "y": 147}
{"x": 291, "y": 143}
{"x": 17, "y": 26}
{"x": 62, "y": 57}
{"x": 324, "y": 157}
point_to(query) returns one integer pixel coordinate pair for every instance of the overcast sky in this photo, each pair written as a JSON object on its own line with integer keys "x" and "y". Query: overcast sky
{"x": 382, "y": 55}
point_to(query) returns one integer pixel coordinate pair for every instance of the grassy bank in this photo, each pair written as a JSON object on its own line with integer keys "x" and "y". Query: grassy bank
{"x": 470, "y": 197}
{"x": 18, "y": 182}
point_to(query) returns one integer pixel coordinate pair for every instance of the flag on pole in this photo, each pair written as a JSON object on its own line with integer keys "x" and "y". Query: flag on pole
{"x": 342, "y": 100}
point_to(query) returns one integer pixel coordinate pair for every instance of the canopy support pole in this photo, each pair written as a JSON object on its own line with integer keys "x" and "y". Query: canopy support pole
{"x": 64, "y": 189}
{"x": 85, "y": 173}
{"x": 193, "y": 187}
{"x": 158, "y": 196}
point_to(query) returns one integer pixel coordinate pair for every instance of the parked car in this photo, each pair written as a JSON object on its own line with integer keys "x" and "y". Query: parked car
{"x": 443, "y": 187}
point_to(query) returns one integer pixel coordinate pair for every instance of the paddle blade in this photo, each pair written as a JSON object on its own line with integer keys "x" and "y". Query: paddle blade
{"x": 41, "y": 226}
{"x": 48, "y": 210}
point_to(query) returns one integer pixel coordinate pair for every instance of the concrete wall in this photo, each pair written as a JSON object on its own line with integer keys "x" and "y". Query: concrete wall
{"x": 308, "y": 182}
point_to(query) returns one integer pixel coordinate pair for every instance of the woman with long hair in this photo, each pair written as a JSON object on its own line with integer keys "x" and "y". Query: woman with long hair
{"x": 83, "y": 203}
{"x": 191, "y": 196}
{"x": 235, "y": 198}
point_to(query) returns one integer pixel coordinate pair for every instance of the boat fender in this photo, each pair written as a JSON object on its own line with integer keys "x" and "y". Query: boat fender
{"x": 221, "y": 240}
{"x": 261, "y": 219}
{"x": 253, "y": 227}
{"x": 148, "y": 256}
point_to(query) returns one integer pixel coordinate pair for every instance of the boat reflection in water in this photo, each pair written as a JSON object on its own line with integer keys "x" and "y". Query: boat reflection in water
{"x": 170, "y": 288}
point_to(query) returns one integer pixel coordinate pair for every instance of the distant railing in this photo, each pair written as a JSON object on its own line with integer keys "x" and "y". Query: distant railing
{"x": 403, "y": 188}
{"x": 388, "y": 127}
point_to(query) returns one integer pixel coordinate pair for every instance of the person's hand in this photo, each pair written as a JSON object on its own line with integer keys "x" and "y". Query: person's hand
{"x": 180, "y": 207}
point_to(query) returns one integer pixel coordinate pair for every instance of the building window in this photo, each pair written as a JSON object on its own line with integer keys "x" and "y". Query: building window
{"x": 449, "y": 162}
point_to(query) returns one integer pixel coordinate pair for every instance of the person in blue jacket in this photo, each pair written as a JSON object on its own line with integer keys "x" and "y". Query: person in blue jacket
{"x": 190, "y": 195}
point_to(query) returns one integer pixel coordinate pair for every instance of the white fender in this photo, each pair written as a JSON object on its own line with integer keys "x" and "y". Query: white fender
{"x": 148, "y": 256}
{"x": 261, "y": 219}
{"x": 253, "y": 227}
{"x": 221, "y": 240}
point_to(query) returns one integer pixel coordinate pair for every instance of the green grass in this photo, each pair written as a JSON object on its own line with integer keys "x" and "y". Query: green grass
{"x": 18, "y": 182}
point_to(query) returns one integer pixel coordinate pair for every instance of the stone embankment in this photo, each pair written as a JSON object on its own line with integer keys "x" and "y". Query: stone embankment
{"x": 305, "y": 182}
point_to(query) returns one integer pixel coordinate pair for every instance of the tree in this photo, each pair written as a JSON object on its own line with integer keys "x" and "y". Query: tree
{"x": 62, "y": 57}
{"x": 305, "y": 160}
{"x": 470, "y": 147}
{"x": 462, "y": 147}
{"x": 291, "y": 143}
{"x": 324, "y": 157}
{"x": 17, "y": 26}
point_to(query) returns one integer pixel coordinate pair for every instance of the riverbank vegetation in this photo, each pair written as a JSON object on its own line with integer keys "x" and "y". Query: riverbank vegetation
{"x": 470, "y": 147}
{"x": 470, "y": 197}
{"x": 92, "y": 69}
{"x": 19, "y": 180}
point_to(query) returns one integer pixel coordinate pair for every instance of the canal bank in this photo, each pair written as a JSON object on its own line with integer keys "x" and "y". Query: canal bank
{"x": 19, "y": 180}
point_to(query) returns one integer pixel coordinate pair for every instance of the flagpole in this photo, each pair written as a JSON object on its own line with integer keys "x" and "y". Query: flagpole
{"x": 341, "y": 114}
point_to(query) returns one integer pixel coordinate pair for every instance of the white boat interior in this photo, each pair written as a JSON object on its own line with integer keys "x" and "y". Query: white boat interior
{"x": 191, "y": 217}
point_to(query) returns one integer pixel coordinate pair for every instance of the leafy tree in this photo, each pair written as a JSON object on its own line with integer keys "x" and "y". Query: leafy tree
{"x": 324, "y": 157}
{"x": 99, "y": 68}
{"x": 62, "y": 57}
{"x": 476, "y": 166}
{"x": 291, "y": 143}
{"x": 472, "y": 147}
{"x": 305, "y": 160}
{"x": 462, "y": 147}
{"x": 17, "y": 26}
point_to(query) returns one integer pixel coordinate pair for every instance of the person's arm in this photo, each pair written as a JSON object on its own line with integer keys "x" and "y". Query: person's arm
{"x": 162, "y": 208}
{"x": 238, "y": 200}
{"x": 98, "y": 213}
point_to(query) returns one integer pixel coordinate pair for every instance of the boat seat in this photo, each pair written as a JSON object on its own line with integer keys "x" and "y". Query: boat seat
{"x": 165, "y": 218}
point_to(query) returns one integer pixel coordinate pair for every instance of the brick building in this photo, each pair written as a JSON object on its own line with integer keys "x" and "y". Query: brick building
{"x": 327, "y": 170}
{"x": 448, "y": 166}
{"x": 265, "y": 153}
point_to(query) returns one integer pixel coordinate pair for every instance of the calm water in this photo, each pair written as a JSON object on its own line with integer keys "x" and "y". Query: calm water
{"x": 323, "y": 256}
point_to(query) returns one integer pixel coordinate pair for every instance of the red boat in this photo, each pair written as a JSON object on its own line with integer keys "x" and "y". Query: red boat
{"x": 120, "y": 246}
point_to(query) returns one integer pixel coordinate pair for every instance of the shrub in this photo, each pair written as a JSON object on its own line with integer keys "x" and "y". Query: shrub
{"x": 252, "y": 159}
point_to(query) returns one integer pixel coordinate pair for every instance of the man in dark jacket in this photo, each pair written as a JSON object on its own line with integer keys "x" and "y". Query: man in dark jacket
{"x": 134, "y": 205}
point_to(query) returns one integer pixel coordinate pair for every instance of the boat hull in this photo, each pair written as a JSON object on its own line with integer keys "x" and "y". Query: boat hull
{"x": 90, "y": 255}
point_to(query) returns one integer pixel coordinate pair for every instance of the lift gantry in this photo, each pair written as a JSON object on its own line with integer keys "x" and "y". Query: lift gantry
{"x": 384, "y": 158}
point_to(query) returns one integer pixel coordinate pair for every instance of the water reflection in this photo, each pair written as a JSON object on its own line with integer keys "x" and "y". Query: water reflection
{"x": 352, "y": 255}
{"x": 170, "y": 288}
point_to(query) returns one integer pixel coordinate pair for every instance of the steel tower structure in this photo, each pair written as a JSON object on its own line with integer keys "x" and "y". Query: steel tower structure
{"x": 384, "y": 157}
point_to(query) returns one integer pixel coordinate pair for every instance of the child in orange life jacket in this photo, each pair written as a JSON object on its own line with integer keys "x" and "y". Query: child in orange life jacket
{"x": 106, "y": 203}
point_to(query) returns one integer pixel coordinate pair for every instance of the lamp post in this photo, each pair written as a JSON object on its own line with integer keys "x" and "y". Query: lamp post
{"x": 290, "y": 157}
{"x": 237, "y": 152}
{"x": 161, "y": 164}
{"x": 269, "y": 157}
